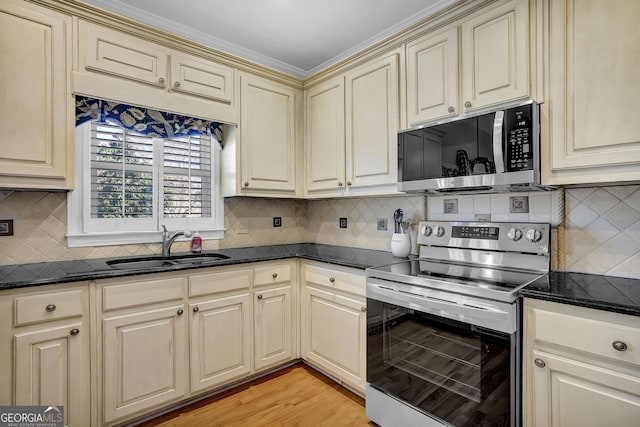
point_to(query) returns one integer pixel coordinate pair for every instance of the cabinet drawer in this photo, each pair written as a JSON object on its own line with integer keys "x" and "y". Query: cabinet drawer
{"x": 340, "y": 280}
{"x": 219, "y": 281}
{"x": 272, "y": 274}
{"x": 145, "y": 292}
{"x": 588, "y": 334}
{"x": 46, "y": 307}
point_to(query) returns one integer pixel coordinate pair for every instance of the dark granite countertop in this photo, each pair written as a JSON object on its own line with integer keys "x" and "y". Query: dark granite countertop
{"x": 46, "y": 273}
{"x": 609, "y": 293}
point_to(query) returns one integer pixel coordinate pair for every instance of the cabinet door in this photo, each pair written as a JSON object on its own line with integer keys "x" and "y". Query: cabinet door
{"x": 200, "y": 77}
{"x": 119, "y": 54}
{"x": 220, "y": 341}
{"x": 324, "y": 144}
{"x": 591, "y": 117}
{"x": 143, "y": 357}
{"x": 267, "y": 132}
{"x": 36, "y": 109}
{"x": 432, "y": 77}
{"x": 372, "y": 123}
{"x": 273, "y": 327}
{"x": 334, "y": 334}
{"x": 568, "y": 393}
{"x": 495, "y": 55}
{"x": 52, "y": 368}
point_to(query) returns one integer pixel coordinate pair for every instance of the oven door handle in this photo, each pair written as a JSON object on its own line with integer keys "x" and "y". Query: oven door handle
{"x": 501, "y": 317}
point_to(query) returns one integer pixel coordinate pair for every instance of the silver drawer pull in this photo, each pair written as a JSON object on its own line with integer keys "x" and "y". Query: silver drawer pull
{"x": 74, "y": 332}
{"x": 619, "y": 346}
{"x": 50, "y": 308}
{"x": 540, "y": 363}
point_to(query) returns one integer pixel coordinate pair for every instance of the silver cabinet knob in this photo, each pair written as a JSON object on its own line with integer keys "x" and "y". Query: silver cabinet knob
{"x": 274, "y": 275}
{"x": 363, "y": 309}
{"x": 180, "y": 312}
{"x": 196, "y": 309}
{"x": 348, "y": 183}
{"x": 176, "y": 84}
{"x": 161, "y": 80}
{"x": 332, "y": 279}
{"x": 50, "y": 308}
{"x": 467, "y": 104}
{"x": 540, "y": 363}
{"x": 74, "y": 332}
{"x": 451, "y": 109}
{"x": 619, "y": 346}
{"x": 259, "y": 296}
{"x": 246, "y": 183}
{"x": 340, "y": 184}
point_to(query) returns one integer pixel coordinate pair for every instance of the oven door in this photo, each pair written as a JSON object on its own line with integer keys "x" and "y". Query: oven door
{"x": 456, "y": 372}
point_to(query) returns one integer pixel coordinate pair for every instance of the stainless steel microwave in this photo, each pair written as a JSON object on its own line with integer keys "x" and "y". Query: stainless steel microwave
{"x": 496, "y": 151}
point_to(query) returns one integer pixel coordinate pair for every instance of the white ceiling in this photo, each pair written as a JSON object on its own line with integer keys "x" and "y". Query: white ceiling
{"x": 298, "y": 37}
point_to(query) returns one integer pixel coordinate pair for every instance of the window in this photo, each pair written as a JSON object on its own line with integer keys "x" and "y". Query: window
{"x": 129, "y": 184}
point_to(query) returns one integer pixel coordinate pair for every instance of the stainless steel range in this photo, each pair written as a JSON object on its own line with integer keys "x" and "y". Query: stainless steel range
{"x": 443, "y": 330}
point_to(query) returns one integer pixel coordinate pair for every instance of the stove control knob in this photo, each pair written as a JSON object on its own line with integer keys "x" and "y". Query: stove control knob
{"x": 438, "y": 231}
{"x": 533, "y": 235}
{"x": 427, "y": 230}
{"x": 514, "y": 234}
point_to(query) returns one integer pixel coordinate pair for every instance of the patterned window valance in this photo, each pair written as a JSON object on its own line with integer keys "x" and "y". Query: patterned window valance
{"x": 144, "y": 120}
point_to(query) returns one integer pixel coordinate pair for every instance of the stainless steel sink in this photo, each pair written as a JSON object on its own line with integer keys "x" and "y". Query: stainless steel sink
{"x": 160, "y": 261}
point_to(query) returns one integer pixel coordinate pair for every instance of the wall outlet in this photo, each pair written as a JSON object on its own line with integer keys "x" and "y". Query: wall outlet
{"x": 6, "y": 227}
{"x": 450, "y": 206}
{"x": 277, "y": 221}
{"x": 519, "y": 204}
{"x": 242, "y": 226}
{"x": 343, "y": 222}
{"x": 382, "y": 224}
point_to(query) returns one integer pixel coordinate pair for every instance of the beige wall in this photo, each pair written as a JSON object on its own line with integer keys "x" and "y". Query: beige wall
{"x": 602, "y": 225}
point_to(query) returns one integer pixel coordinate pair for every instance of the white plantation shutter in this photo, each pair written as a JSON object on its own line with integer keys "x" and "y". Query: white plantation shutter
{"x": 187, "y": 175}
{"x": 121, "y": 173}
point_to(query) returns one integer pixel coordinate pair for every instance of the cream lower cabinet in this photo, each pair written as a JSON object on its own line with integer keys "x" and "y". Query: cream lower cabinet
{"x": 36, "y": 112}
{"x": 334, "y": 323}
{"x": 352, "y": 125}
{"x": 589, "y": 126}
{"x": 142, "y": 346}
{"x": 274, "y": 306}
{"x": 45, "y": 339}
{"x": 581, "y": 367}
{"x": 220, "y": 328}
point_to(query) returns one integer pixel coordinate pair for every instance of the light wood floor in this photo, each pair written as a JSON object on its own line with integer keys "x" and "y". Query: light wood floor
{"x": 295, "y": 396}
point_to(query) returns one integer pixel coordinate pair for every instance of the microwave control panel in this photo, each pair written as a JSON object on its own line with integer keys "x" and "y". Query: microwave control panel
{"x": 519, "y": 130}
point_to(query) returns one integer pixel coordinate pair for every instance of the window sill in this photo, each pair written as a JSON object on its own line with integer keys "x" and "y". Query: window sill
{"x": 130, "y": 238}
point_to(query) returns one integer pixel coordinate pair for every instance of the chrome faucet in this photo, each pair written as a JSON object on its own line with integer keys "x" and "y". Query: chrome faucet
{"x": 168, "y": 239}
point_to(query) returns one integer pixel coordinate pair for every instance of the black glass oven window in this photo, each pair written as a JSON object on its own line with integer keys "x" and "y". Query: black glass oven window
{"x": 451, "y": 370}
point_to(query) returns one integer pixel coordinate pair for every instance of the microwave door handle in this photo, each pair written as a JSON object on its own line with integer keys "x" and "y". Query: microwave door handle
{"x": 498, "y": 155}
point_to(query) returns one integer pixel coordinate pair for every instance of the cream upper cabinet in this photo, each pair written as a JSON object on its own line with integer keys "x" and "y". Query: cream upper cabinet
{"x": 581, "y": 366}
{"x": 268, "y": 138}
{"x": 432, "y": 77}
{"x": 325, "y": 137}
{"x": 495, "y": 55}
{"x": 126, "y": 67}
{"x": 333, "y": 322}
{"x": 37, "y": 108}
{"x": 590, "y": 131}
{"x": 479, "y": 61}
{"x": 274, "y": 314}
{"x": 45, "y": 338}
{"x": 352, "y": 125}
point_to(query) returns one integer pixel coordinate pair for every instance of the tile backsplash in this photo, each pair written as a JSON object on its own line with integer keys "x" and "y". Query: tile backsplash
{"x": 602, "y": 224}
